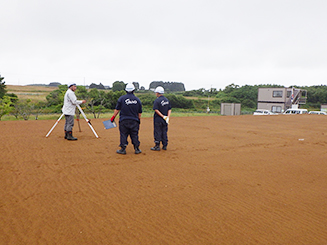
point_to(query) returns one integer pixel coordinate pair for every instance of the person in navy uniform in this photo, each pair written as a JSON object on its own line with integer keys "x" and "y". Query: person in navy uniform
{"x": 130, "y": 109}
{"x": 162, "y": 110}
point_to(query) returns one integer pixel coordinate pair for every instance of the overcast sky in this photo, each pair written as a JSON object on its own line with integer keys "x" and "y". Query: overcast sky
{"x": 201, "y": 43}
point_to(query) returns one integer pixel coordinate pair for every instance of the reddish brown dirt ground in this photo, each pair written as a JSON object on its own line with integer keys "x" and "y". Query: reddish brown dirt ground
{"x": 223, "y": 180}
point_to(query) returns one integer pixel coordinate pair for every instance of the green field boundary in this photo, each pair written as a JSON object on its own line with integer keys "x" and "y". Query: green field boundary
{"x": 108, "y": 115}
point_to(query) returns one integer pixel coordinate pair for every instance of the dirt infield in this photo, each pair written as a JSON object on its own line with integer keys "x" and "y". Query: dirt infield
{"x": 223, "y": 180}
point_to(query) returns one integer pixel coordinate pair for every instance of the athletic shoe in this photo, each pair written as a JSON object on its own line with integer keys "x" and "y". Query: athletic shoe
{"x": 155, "y": 148}
{"x": 137, "y": 150}
{"x": 121, "y": 151}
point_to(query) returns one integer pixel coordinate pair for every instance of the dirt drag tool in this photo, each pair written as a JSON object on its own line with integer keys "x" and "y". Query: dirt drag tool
{"x": 88, "y": 122}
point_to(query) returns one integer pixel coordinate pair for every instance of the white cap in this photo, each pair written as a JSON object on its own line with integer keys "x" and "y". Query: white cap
{"x": 159, "y": 90}
{"x": 129, "y": 87}
{"x": 71, "y": 84}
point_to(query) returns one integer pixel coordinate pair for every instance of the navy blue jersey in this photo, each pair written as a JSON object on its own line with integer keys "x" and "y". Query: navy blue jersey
{"x": 161, "y": 104}
{"x": 130, "y": 106}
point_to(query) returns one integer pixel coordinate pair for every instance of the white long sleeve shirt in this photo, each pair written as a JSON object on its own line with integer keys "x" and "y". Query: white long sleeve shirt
{"x": 70, "y": 103}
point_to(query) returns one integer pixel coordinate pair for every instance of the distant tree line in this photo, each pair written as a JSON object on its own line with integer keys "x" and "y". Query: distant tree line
{"x": 101, "y": 100}
{"x": 317, "y": 95}
{"x": 247, "y": 95}
{"x": 98, "y": 100}
{"x": 120, "y": 85}
{"x": 100, "y": 86}
{"x": 168, "y": 86}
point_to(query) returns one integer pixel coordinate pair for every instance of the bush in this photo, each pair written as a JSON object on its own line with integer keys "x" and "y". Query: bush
{"x": 180, "y": 102}
{"x": 147, "y": 99}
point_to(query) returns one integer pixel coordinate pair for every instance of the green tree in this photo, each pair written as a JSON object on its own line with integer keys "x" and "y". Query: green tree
{"x": 195, "y": 93}
{"x": 118, "y": 86}
{"x": 168, "y": 86}
{"x": 112, "y": 98}
{"x": 13, "y": 97}
{"x": 100, "y": 86}
{"x": 3, "y": 90}
{"x": 96, "y": 101}
{"x": 5, "y": 106}
{"x": 180, "y": 102}
{"x": 23, "y": 109}
{"x": 56, "y": 97}
{"x": 230, "y": 88}
{"x": 38, "y": 108}
{"x": 81, "y": 93}
{"x": 147, "y": 99}
{"x": 136, "y": 85}
{"x": 247, "y": 95}
{"x": 317, "y": 95}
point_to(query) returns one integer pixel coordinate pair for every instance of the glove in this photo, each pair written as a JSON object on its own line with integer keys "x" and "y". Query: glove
{"x": 112, "y": 118}
{"x": 166, "y": 119}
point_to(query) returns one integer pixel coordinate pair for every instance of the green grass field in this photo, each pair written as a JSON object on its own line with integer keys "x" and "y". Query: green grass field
{"x": 105, "y": 116}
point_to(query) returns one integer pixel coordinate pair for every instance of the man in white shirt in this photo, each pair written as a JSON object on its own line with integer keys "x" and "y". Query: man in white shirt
{"x": 70, "y": 103}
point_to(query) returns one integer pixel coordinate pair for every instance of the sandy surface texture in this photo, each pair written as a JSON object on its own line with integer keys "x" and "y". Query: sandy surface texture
{"x": 223, "y": 180}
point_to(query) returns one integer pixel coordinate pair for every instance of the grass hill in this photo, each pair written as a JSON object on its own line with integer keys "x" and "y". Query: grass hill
{"x": 34, "y": 93}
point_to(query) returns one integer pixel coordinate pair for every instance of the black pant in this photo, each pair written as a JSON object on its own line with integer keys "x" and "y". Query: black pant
{"x": 131, "y": 128}
{"x": 160, "y": 133}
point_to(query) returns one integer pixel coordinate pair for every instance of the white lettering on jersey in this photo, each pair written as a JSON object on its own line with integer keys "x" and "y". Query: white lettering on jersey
{"x": 129, "y": 102}
{"x": 163, "y": 103}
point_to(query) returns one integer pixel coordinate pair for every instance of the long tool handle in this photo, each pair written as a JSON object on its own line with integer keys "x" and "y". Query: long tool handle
{"x": 88, "y": 121}
{"x": 54, "y": 125}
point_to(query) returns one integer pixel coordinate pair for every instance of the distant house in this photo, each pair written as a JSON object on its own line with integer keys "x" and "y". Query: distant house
{"x": 280, "y": 99}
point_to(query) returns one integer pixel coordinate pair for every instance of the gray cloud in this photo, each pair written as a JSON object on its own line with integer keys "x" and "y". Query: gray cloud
{"x": 200, "y": 43}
